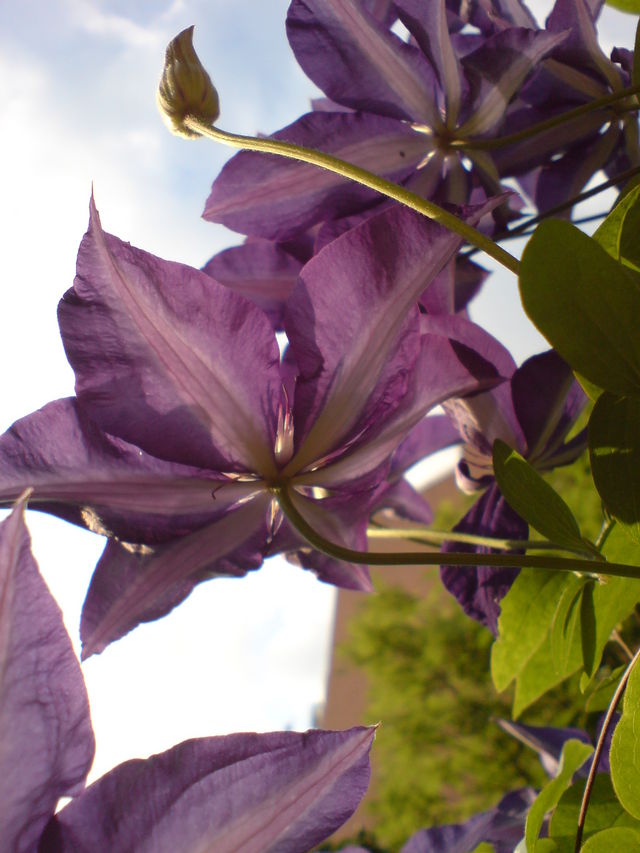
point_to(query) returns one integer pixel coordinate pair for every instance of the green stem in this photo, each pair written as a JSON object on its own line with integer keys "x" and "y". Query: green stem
{"x": 522, "y": 230}
{"x": 437, "y": 537}
{"x": 361, "y": 176}
{"x": 547, "y": 124}
{"x": 599, "y": 748}
{"x": 374, "y": 558}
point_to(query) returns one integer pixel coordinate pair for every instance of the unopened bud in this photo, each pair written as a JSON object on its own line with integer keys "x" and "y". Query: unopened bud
{"x": 185, "y": 88}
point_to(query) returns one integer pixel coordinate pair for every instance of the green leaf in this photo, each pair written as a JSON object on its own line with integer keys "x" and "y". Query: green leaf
{"x": 625, "y": 748}
{"x": 541, "y": 674}
{"x": 588, "y": 628}
{"x": 574, "y": 754}
{"x": 566, "y": 629}
{"x": 614, "y": 449}
{"x": 619, "y": 839}
{"x": 608, "y": 234}
{"x": 585, "y": 303}
{"x": 632, "y": 7}
{"x": 523, "y": 625}
{"x": 604, "y": 810}
{"x": 533, "y": 498}
{"x": 601, "y": 693}
{"x": 635, "y": 73}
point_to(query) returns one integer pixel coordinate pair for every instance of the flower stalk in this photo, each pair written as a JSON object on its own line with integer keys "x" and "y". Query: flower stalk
{"x": 452, "y": 558}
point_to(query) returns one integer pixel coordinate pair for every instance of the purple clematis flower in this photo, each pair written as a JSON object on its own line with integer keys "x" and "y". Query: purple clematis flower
{"x": 185, "y": 416}
{"x": 533, "y": 414}
{"x": 404, "y": 110}
{"x": 252, "y": 792}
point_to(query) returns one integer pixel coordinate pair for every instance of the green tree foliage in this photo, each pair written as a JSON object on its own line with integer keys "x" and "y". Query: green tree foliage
{"x": 440, "y": 756}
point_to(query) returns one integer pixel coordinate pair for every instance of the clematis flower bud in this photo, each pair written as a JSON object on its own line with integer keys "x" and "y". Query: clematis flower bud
{"x": 185, "y": 87}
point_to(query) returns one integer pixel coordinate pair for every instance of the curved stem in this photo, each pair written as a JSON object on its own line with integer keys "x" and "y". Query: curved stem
{"x": 437, "y": 537}
{"x": 412, "y": 558}
{"x": 606, "y": 725}
{"x": 547, "y": 124}
{"x": 361, "y": 176}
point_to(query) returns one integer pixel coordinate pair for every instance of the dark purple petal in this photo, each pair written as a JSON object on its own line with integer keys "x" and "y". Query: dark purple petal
{"x": 502, "y": 826}
{"x": 479, "y": 590}
{"x": 497, "y": 70}
{"x": 273, "y": 197}
{"x": 85, "y": 476}
{"x": 566, "y": 177}
{"x": 259, "y": 270}
{"x": 580, "y": 47}
{"x": 376, "y": 273}
{"x": 454, "y": 287}
{"x": 547, "y": 742}
{"x": 547, "y": 401}
{"x": 481, "y": 418}
{"x": 358, "y": 62}
{"x": 134, "y": 584}
{"x": 170, "y": 360}
{"x": 259, "y": 793}
{"x": 46, "y": 740}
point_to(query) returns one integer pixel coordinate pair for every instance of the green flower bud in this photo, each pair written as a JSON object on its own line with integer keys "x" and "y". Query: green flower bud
{"x": 185, "y": 88}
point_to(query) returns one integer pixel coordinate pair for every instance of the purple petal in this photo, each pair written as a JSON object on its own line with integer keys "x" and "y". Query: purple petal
{"x": 358, "y": 62}
{"x": 85, "y": 476}
{"x": 139, "y": 584}
{"x": 46, "y": 740}
{"x": 273, "y": 197}
{"x": 259, "y": 270}
{"x": 580, "y": 47}
{"x": 547, "y": 401}
{"x": 428, "y": 436}
{"x": 341, "y": 519}
{"x": 404, "y": 501}
{"x": 498, "y": 69}
{"x": 428, "y": 24}
{"x": 168, "y": 359}
{"x": 482, "y": 418}
{"x": 259, "y": 793}
{"x": 479, "y": 590}
{"x": 443, "y": 369}
{"x": 547, "y": 742}
{"x": 502, "y": 826}
{"x": 376, "y": 273}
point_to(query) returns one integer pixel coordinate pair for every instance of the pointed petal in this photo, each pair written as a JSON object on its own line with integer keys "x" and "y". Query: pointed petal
{"x": 480, "y": 590}
{"x": 376, "y": 272}
{"x": 547, "y": 401}
{"x": 259, "y": 270}
{"x": 46, "y": 740}
{"x": 273, "y": 197}
{"x": 498, "y": 69}
{"x": 428, "y": 24}
{"x": 443, "y": 370}
{"x": 547, "y": 742}
{"x": 85, "y": 476}
{"x": 139, "y": 584}
{"x": 168, "y": 359}
{"x": 358, "y": 62}
{"x": 502, "y": 826}
{"x": 259, "y": 793}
